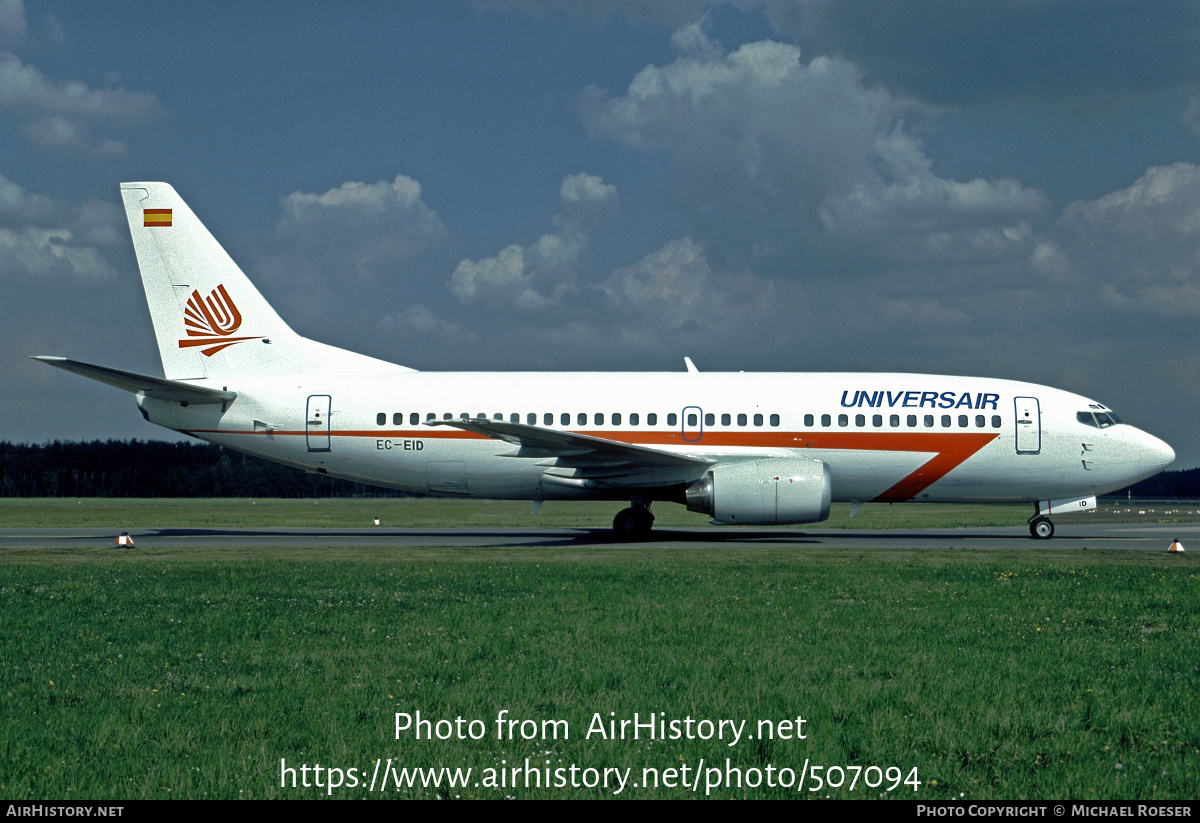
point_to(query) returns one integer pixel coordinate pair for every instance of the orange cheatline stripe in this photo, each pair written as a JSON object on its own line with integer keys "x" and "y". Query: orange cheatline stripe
{"x": 949, "y": 450}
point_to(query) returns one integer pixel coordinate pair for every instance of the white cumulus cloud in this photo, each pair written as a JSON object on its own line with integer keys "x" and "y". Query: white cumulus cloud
{"x": 1163, "y": 204}
{"x": 536, "y": 276}
{"x": 59, "y": 132}
{"x": 1142, "y": 243}
{"x": 769, "y": 151}
{"x": 364, "y": 227}
{"x": 49, "y": 253}
{"x": 44, "y": 240}
{"x": 906, "y": 197}
{"x": 24, "y": 86}
{"x": 668, "y": 285}
{"x": 17, "y": 204}
{"x": 60, "y": 111}
{"x": 760, "y": 111}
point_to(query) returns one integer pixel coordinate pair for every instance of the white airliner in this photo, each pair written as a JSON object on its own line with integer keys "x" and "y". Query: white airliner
{"x": 747, "y": 449}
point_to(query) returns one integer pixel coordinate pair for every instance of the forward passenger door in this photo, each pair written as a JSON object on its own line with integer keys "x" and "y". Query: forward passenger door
{"x": 1029, "y": 425}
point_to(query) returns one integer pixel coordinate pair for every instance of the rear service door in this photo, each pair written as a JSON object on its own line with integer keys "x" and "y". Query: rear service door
{"x": 317, "y": 423}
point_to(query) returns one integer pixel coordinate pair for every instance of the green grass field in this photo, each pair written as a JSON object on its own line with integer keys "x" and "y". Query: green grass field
{"x": 1038, "y": 673}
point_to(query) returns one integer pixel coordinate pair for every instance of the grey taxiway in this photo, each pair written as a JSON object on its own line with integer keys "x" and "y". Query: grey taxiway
{"x": 1123, "y": 537}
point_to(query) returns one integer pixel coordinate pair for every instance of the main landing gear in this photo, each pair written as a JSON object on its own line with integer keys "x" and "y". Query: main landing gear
{"x": 1040, "y": 527}
{"x": 633, "y": 523}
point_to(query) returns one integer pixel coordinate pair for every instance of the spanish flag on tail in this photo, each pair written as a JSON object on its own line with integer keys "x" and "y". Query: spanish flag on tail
{"x": 156, "y": 217}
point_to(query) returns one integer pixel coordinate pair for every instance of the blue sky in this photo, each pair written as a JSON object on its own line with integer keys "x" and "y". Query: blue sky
{"x": 1006, "y": 187}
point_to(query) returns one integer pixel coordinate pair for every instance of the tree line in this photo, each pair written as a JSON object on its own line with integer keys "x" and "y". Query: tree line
{"x": 153, "y": 468}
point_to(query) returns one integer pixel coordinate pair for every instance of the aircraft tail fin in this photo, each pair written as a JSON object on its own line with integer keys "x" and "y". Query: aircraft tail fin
{"x": 209, "y": 319}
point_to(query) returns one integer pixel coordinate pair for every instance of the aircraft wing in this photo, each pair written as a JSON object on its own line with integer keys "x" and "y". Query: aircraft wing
{"x": 581, "y": 458}
{"x": 173, "y": 390}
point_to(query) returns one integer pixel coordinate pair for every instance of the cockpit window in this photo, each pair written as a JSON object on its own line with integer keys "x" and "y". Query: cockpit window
{"x": 1097, "y": 419}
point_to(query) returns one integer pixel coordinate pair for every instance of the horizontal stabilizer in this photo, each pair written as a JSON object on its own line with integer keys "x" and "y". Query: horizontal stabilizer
{"x": 172, "y": 390}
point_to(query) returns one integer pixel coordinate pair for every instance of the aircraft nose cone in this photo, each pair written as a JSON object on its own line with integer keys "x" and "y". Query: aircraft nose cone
{"x": 1140, "y": 455}
{"x": 1158, "y": 454}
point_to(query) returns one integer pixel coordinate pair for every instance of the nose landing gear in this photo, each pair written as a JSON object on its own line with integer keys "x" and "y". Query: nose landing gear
{"x": 1040, "y": 527}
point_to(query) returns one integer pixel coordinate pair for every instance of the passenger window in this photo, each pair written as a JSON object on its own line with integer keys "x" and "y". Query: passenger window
{"x": 672, "y": 419}
{"x": 808, "y": 420}
{"x": 962, "y": 421}
{"x": 826, "y": 420}
{"x": 894, "y": 421}
{"x": 995, "y": 421}
{"x": 447, "y": 416}
{"x": 616, "y": 418}
{"x": 945, "y": 421}
{"x": 843, "y": 420}
{"x": 877, "y": 420}
{"x": 774, "y": 420}
{"x": 431, "y": 416}
{"x": 464, "y": 415}
{"x": 652, "y": 419}
{"x": 515, "y": 417}
{"x": 980, "y": 421}
{"x": 414, "y": 419}
{"x": 726, "y": 419}
{"x": 581, "y": 418}
{"x": 397, "y": 418}
{"x": 912, "y": 421}
{"x": 380, "y": 419}
{"x": 692, "y": 419}
{"x": 929, "y": 421}
{"x": 741, "y": 419}
{"x": 599, "y": 418}
{"x": 531, "y": 418}
{"x": 860, "y": 420}
{"x": 758, "y": 419}
{"x": 634, "y": 418}
{"x": 710, "y": 419}
{"x": 548, "y": 419}
{"x": 565, "y": 419}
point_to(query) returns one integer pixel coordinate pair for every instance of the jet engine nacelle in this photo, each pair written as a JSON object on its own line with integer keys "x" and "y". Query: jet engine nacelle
{"x": 764, "y": 492}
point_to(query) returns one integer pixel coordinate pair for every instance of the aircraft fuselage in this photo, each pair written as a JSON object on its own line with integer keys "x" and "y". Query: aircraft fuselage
{"x": 885, "y": 437}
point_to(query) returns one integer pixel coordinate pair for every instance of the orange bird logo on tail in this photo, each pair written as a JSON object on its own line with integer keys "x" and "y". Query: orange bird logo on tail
{"x": 210, "y": 322}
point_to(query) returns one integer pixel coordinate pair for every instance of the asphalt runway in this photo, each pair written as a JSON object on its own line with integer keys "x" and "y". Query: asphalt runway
{"x": 1121, "y": 537}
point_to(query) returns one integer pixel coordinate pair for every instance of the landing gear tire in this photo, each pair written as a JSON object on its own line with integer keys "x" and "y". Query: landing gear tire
{"x": 633, "y": 523}
{"x": 1040, "y": 528}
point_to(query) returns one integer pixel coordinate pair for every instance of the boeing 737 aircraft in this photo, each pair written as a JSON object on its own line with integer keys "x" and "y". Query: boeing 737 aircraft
{"x": 747, "y": 449}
